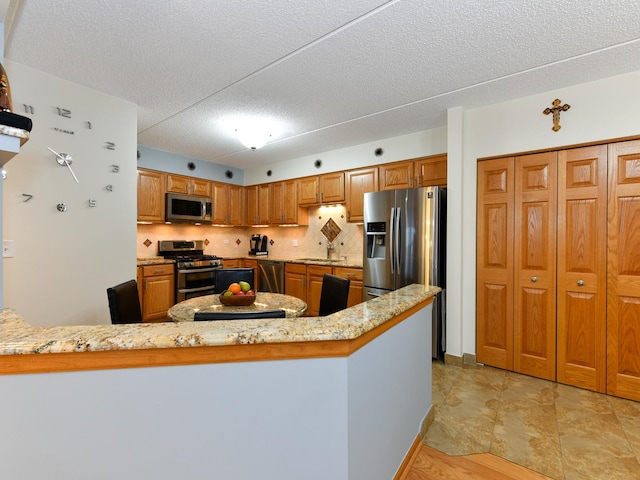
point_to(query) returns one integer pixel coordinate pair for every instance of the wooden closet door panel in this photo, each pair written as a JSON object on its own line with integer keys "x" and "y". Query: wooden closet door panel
{"x": 494, "y": 295}
{"x": 623, "y": 271}
{"x": 582, "y": 320}
{"x": 535, "y": 265}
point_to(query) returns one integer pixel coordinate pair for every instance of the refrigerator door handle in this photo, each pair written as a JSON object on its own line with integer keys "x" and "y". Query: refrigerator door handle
{"x": 392, "y": 248}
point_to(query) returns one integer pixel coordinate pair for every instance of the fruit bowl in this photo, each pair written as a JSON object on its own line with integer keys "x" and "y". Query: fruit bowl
{"x": 236, "y": 300}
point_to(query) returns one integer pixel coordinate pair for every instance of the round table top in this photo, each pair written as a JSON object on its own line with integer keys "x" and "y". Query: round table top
{"x": 184, "y": 311}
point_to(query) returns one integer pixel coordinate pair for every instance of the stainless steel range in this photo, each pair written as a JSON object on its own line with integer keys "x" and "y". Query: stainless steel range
{"x": 195, "y": 271}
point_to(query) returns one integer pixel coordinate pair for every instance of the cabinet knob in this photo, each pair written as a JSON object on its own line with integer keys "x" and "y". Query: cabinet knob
{"x": 580, "y": 283}
{"x": 534, "y": 279}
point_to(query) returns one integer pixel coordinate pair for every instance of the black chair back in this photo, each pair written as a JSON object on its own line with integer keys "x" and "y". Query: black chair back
{"x": 334, "y": 294}
{"x": 124, "y": 303}
{"x": 227, "y": 276}
{"x": 199, "y": 316}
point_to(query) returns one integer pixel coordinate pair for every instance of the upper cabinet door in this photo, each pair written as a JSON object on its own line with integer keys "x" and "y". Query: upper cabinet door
{"x": 151, "y": 189}
{"x": 332, "y": 187}
{"x": 396, "y": 175}
{"x": 359, "y": 182}
{"x": 582, "y": 261}
{"x": 535, "y": 265}
{"x": 308, "y": 190}
{"x": 431, "y": 171}
{"x": 623, "y": 276}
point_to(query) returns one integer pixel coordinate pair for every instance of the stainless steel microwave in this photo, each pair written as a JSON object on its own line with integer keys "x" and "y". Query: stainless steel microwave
{"x": 187, "y": 208}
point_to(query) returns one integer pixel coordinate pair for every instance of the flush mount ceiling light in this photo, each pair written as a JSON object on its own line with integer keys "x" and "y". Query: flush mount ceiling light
{"x": 253, "y": 137}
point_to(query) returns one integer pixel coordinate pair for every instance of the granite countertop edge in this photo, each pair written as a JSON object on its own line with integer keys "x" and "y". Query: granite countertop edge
{"x": 17, "y": 337}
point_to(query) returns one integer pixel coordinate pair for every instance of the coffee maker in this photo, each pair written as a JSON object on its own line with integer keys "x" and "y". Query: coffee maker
{"x": 258, "y": 244}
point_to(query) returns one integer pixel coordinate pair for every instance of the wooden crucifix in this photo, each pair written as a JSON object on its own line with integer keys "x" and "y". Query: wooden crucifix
{"x": 556, "y": 109}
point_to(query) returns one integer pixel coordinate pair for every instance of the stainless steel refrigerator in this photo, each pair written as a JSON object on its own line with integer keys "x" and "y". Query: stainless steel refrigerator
{"x": 404, "y": 243}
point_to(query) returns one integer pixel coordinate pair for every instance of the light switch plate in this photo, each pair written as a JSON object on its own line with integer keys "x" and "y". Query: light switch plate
{"x": 7, "y": 248}
{"x": 294, "y": 243}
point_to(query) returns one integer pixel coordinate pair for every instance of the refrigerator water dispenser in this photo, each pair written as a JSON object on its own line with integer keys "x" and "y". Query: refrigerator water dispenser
{"x": 376, "y": 239}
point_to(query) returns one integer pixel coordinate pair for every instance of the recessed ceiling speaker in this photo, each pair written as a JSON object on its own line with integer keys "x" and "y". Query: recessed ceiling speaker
{"x": 378, "y": 152}
{"x": 191, "y": 166}
{"x": 317, "y": 163}
{"x": 228, "y": 174}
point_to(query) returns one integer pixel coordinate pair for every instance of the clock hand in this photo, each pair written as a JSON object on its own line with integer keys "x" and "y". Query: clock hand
{"x": 64, "y": 160}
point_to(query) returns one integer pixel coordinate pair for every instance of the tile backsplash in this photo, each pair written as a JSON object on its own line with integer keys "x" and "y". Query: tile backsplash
{"x": 233, "y": 241}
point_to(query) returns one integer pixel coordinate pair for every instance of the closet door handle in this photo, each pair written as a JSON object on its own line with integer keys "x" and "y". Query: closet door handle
{"x": 580, "y": 283}
{"x": 534, "y": 279}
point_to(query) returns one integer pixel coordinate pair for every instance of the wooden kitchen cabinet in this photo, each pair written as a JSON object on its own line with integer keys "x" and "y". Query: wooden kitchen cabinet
{"x": 417, "y": 172}
{"x": 431, "y": 171}
{"x": 285, "y": 208}
{"x": 316, "y": 190}
{"x": 295, "y": 280}
{"x": 151, "y": 190}
{"x": 252, "y": 263}
{"x": 228, "y": 204}
{"x": 357, "y": 183}
{"x": 231, "y": 263}
{"x": 257, "y": 204}
{"x": 188, "y": 185}
{"x": 315, "y": 274}
{"x": 158, "y": 291}
{"x": 355, "y": 284}
{"x": 396, "y": 175}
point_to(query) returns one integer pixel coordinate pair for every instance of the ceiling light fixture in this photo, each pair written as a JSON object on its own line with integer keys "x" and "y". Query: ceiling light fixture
{"x": 253, "y": 138}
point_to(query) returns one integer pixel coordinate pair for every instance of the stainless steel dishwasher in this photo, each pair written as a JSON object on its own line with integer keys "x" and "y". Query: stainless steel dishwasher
{"x": 271, "y": 274}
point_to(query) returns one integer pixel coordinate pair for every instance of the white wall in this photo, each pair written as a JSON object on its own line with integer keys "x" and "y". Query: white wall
{"x": 65, "y": 261}
{"x": 420, "y": 144}
{"x": 602, "y": 110}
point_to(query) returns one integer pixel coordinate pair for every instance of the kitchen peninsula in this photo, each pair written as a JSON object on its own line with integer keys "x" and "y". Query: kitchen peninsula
{"x": 341, "y": 397}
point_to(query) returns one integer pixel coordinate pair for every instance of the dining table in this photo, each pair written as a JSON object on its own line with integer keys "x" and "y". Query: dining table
{"x": 184, "y": 311}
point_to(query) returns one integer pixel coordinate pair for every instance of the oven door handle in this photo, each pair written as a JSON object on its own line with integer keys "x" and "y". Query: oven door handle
{"x": 199, "y": 270}
{"x": 191, "y": 290}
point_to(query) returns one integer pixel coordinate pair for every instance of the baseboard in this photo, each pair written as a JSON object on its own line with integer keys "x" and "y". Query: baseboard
{"x": 409, "y": 459}
{"x": 427, "y": 421}
{"x": 456, "y": 361}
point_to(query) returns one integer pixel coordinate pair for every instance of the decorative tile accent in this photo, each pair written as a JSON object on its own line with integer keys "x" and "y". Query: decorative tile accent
{"x": 331, "y": 230}
{"x": 238, "y": 241}
{"x": 147, "y": 243}
{"x": 206, "y": 242}
{"x": 271, "y": 242}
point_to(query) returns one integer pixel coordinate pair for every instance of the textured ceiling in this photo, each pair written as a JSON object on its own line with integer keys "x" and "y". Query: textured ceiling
{"x": 325, "y": 74}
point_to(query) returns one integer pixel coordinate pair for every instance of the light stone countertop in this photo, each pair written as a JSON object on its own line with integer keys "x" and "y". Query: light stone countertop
{"x": 184, "y": 311}
{"x": 18, "y": 337}
{"x": 152, "y": 261}
{"x": 334, "y": 262}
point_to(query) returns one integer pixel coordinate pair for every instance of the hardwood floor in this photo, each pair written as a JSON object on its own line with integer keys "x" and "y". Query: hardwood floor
{"x": 430, "y": 464}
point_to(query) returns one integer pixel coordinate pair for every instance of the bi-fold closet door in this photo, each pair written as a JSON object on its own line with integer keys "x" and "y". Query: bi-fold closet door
{"x": 541, "y": 265}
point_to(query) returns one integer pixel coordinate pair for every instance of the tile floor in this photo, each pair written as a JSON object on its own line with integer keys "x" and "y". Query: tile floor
{"x": 563, "y": 432}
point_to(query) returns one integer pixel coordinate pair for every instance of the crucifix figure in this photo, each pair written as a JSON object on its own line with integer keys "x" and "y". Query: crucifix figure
{"x": 556, "y": 109}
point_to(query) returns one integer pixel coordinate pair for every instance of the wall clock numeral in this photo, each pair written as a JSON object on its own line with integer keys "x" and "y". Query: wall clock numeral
{"x": 115, "y": 168}
{"x": 109, "y": 188}
{"x": 89, "y": 126}
{"x": 92, "y": 202}
{"x": 111, "y": 145}
{"x": 28, "y": 108}
{"x": 64, "y": 112}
